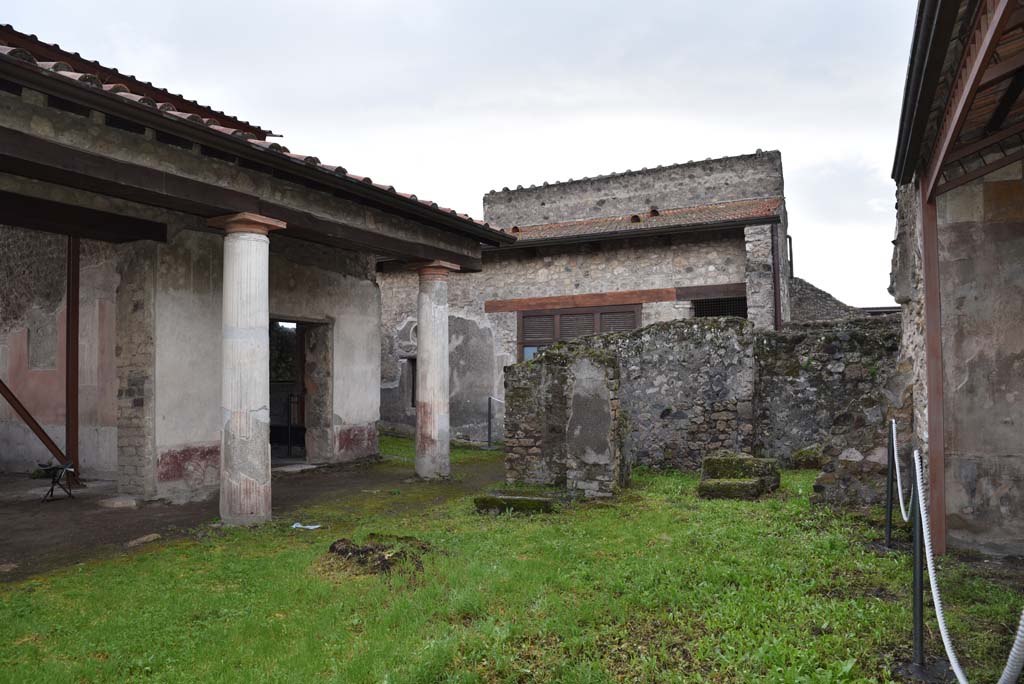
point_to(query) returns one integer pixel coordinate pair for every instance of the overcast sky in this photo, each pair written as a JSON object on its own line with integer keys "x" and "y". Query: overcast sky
{"x": 452, "y": 98}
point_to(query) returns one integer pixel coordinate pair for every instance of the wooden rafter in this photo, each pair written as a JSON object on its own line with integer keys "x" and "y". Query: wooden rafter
{"x": 1006, "y": 103}
{"x": 993, "y": 17}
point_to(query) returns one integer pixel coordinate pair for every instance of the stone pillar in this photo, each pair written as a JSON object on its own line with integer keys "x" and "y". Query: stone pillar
{"x": 245, "y": 369}
{"x": 760, "y": 276}
{"x": 432, "y": 418}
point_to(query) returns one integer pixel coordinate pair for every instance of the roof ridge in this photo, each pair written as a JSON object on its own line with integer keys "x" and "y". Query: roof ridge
{"x": 628, "y": 172}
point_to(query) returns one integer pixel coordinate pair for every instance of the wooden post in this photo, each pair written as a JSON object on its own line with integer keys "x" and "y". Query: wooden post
{"x": 934, "y": 375}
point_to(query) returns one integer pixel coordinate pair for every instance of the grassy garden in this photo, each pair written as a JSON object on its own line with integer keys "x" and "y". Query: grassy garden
{"x": 657, "y": 586}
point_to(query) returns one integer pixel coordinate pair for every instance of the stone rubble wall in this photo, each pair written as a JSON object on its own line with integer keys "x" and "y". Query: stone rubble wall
{"x": 617, "y": 194}
{"x": 569, "y": 426}
{"x": 690, "y": 388}
{"x": 813, "y": 304}
{"x": 482, "y": 344}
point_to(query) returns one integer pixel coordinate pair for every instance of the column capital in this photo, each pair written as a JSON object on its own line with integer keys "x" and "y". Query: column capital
{"x": 246, "y": 222}
{"x": 434, "y": 269}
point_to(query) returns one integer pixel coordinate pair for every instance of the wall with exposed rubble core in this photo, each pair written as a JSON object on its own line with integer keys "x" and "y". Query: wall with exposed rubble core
{"x": 810, "y": 303}
{"x": 150, "y": 349}
{"x": 980, "y": 228}
{"x": 689, "y": 388}
{"x": 482, "y": 344}
{"x": 569, "y": 424}
{"x": 619, "y": 194}
{"x": 32, "y": 350}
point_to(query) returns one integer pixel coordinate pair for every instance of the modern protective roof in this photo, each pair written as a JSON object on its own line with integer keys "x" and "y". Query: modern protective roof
{"x": 30, "y": 52}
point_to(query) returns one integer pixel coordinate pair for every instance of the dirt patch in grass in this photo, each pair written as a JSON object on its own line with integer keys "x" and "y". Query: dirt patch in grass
{"x": 627, "y": 647}
{"x": 1007, "y": 572}
{"x": 854, "y": 584}
{"x": 379, "y": 555}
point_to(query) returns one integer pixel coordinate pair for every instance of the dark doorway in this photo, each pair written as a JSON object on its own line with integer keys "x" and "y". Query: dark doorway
{"x": 287, "y": 392}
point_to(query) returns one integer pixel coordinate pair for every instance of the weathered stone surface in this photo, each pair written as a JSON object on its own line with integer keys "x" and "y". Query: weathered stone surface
{"x": 739, "y": 468}
{"x": 810, "y": 303}
{"x": 808, "y": 458}
{"x": 688, "y": 389}
{"x": 568, "y": 426}
{"x": 594, "y": 267}
{"x": 499, "y": 503}
{"x": 748, "y": 489}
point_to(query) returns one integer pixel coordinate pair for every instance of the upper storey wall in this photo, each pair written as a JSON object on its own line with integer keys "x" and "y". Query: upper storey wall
{"x": 681, "y": 185}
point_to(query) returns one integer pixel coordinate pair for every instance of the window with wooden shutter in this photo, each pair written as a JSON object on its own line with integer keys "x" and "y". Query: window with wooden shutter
{"x": 619, "y": 321}
{"x": 573, "y": 325}
{"x": 540, "y": 329}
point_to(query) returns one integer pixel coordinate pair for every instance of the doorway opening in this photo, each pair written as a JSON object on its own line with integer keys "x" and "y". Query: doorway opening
{"x": 287, "y": 392}
{"x": 301, "y": 392}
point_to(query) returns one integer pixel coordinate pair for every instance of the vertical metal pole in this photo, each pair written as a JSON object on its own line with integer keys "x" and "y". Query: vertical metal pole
{"x": 890, "y": 476}
{"x": 489, "y": 420}
{"x": 71, "y": 353}
{"x": 918, "y": 589}
{"x": 291, "y": 407}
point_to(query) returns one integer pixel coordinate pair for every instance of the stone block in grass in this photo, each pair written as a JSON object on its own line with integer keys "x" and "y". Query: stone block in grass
{"x": 748, "y": 489}
{"x": 740, "y": 467}
{"x": 498, "y": 502}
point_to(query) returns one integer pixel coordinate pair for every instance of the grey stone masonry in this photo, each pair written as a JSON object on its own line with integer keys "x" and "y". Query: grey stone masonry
{"x": 680, "y": 185}
{"x": 813, "y": 304}
{"x": 568, "y": 424}
{"x": 687, "y": 389}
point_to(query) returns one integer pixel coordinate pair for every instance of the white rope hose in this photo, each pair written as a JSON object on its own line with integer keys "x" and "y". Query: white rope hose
{"x": 1015, "y": 662}
{"x": 905, "y": 510}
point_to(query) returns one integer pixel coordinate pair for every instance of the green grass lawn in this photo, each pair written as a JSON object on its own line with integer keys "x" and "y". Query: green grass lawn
{"x": 657, "y": 586}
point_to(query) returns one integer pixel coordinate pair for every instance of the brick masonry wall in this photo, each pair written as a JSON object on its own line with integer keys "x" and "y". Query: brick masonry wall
{"x": 680, "y": 185}
{"x": 576, "y": 269}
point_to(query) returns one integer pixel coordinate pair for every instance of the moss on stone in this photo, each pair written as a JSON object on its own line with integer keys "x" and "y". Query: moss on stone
{"x": 738, "y": 467}
{"x": 747, "y": 489}
{"x": 499, "y": 503}
{"x": 808, "y": 458}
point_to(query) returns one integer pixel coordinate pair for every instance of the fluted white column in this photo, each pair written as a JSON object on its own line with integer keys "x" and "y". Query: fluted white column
{"x": 245, "y": 370}
{"x": 432, "y": 417}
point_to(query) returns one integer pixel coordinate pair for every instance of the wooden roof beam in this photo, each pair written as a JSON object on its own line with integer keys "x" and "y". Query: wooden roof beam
{"x": 992, "y": 20}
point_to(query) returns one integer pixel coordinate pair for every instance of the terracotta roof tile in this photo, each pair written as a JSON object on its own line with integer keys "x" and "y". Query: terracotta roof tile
{"x": 751, "y": 211}
{"x": 245, "y": 131}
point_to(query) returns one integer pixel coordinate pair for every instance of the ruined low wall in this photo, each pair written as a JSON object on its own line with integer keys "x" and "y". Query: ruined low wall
{"x": 569, "y": 426}
{"x": 688, "y": 388}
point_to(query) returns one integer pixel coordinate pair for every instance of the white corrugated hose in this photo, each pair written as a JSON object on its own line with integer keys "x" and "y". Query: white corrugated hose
{"x": 905, "y": 510}
{"x": 1015, "y": 662}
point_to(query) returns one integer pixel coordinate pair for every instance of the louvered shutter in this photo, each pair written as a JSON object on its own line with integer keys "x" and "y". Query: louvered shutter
{"x": 618, "y": 321}
{"x": 571, "y": 326}
{"x": 539, "y": 328}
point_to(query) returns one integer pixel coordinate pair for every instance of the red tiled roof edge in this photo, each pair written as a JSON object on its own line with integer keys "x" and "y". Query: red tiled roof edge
{"x": 26, "y": 58}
